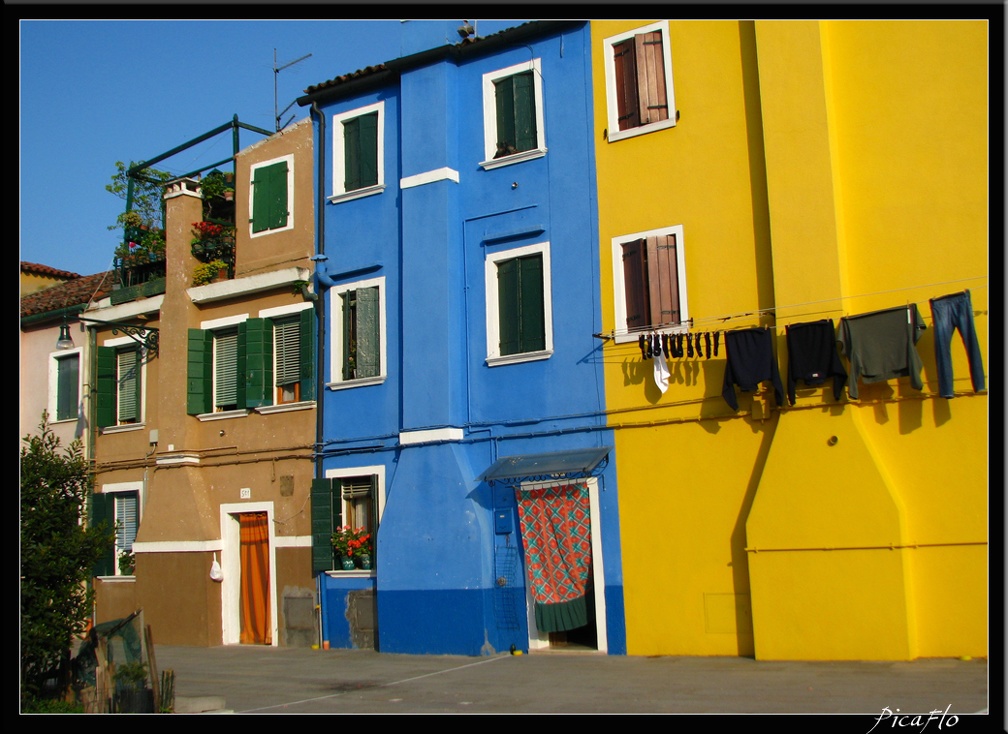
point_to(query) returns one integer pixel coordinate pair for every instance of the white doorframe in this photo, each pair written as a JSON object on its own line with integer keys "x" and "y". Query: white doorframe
{"x": 540, "y": 641}
{"x": 230, "y": 562}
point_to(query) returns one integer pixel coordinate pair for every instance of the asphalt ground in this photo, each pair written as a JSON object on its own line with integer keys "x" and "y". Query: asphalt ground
{"x": 247, "y": 680}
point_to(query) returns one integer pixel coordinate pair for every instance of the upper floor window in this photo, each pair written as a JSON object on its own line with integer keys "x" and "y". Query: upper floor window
{"x": 358, "y": 155}
{"x": 119, "y": 381}
{"x": 358, "y": 321}
{"x": 272, "y": 196}
{"x": 242, "y": 364}
{"x": 65, "y": 385}
{"x": 119, "y": 506}
{"x": 513, "y": 114}
{"x": 519, "y": 305}
{"x": 346, "y": 497}
{"x": 649, "y": 276}
{"x": 639, "y": 91}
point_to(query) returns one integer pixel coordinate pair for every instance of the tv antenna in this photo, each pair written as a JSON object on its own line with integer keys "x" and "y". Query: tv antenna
{"x": 276, "y": 73}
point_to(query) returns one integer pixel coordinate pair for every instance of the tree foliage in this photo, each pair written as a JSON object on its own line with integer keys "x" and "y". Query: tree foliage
{"x": 58, "y": 553}
{"x": 148, "y": 188}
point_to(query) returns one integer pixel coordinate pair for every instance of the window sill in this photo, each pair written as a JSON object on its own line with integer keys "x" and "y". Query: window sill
{"x": 241, "y": 413}
{"x": 496, "y": 361}
{"x": 356, "y": 194}
{"x": 285, "y": 407}
{"x": 343, "y": 385}
{"x": 357, "y": 573}
{"x": 117, "y": 579}
{"x": 642, "y": 130}
{"x": 525, "y": 155}
{"x": 125, "y": 428}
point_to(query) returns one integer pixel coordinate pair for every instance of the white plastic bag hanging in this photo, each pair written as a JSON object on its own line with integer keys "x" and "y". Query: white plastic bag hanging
{"x": 215, "y": 570}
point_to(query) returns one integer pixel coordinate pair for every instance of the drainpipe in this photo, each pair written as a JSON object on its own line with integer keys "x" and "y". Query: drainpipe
{"x": 319, "y": 302}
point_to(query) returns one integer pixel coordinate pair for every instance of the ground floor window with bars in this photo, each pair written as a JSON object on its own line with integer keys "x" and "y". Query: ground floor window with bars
{"x": 353, "y": 500}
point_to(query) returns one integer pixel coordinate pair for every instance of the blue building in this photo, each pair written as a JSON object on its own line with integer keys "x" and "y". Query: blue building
{"x": 461, "y": 407}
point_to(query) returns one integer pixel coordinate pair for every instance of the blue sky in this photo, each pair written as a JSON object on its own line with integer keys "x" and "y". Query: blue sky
{"x": 93, "y": 92}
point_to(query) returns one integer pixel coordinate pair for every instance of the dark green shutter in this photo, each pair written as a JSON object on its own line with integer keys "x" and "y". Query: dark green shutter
{"x": 307, "y": 377}
{"x": 106, "y": 387}
{"x": 67, "y": 387}
{"x": 351, "y": 155}
{"x": 368, "y": 333}
{"x": 524, "y": 112}
{"x": 269, "y": 197}
{"x": 369, "y": 149}
{"x": 323, "y": 522}
{"x": 199, "y": 385}
{"x": 258, "y": 363}
{"x": 504, "y": 93}
{"x": 103, "y": 511}
{"x": 533, "y": 317}
{"x": 347, "y": 300}
{"x": 241, "y": 362}
{"x": 507, "y": 307}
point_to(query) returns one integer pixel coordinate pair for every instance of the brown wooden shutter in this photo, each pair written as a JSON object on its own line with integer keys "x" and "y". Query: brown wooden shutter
{"x": 635, "y": 284}
{"x": 627, "y": 110}
{"x": 651, "y": 77}
{"x": 663, "y": 279}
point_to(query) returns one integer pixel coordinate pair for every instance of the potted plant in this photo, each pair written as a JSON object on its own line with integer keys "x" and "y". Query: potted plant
{"x": 208, "y": 272}
{"x": 352, "y": 544}
{"x": 127, "y": 563}
{"x": 212, "y": 241}
{"x": 131, "y": 694}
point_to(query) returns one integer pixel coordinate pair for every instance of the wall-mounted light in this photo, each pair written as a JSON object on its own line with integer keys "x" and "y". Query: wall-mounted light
{"x": 64, "y": 341}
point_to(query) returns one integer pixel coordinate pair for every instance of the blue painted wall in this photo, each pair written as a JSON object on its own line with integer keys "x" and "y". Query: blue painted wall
{"x": 438, "y": 555}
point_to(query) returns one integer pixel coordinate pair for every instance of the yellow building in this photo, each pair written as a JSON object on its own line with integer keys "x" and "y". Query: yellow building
{"x": 761, "y": 175}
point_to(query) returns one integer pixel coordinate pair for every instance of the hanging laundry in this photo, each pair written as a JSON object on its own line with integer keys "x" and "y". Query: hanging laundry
{"x": 881, "y": 345}
{"x": 952, "y": 312}
{"x": 813, "y": 357}
{"x": 750, "y": 359}
{"x": 661, "y": 371}
{"x": 706, "y": 338}
{"x": 689, "y": 345}
{"x": 664, "y": 345}
{"x": 717, "y": 339}
{"x": 679, "y": 344}
{"x": 643, "y": 347}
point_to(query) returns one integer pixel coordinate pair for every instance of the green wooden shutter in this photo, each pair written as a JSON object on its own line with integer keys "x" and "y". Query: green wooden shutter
{"x": 258, "y": 363}
{"x": 635, "y": 284}
{"x": 128, "y": 373}
{"x": 323, "y": 522}
{"x": 270, "y": 208}
{"x": 106, "y": 383}
{"x": 524, "y": 112}
{"x": 241, "y": 366}
{"x": 368, "y": 149}
{"x": 368, "y": 336}
{"x": 347, "y": 301}
{"x": 504, "y": 97}
{"x": 509, "y": 317}
{"x": 103, "y": 511}
{"x": 67, "y": 387}
{"x": 533, "y": 316}
{"x": 307, "y": 358}
{"x": 199, "y": 375}
{"x": 351, "y": 155}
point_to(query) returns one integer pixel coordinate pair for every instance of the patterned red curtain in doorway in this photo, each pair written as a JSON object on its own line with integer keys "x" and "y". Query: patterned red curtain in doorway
{"x": 256, "y": 627}
{"x": 556, "y": 530}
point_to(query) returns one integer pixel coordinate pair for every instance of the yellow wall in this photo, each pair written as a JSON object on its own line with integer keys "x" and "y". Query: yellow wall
{"x": 819, "y": 169}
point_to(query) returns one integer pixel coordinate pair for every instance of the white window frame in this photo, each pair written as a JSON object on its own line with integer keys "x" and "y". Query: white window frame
{"x": 54, "y": 359}
{"x": 141, "y": 387}
{"x": 339, "y": 192}
{"x": 123, "y": 488}
{"x": 490, "y": 116}
{"x": 281, "y": 312}
{"x": 378, "y": 471}
{"x": 336, "y": 381}
{"x": 494, "y": 357}
{"x": 621, "y": 333}
{"x": 290, "y": 194}
{"x": 612, "y": 108}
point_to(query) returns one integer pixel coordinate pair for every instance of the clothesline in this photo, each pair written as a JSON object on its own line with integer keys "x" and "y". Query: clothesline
{"x": 772, "y": 310}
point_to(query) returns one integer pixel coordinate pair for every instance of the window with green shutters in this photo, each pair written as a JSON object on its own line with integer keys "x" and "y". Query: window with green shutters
{"x": 119, "y": 385}
{"x": 67, "y": 377}
{"x": 358, "y": 154}
{"x": 513, "y": 114}
{"x": 260, "y": 362}
{"x": 519, "y": 304}
{"x": 121, "y": 511}
{"x": 270, "y": 196}
{"x": 353, "y": 500}
{"x": 358, "y": 338}
{"x": 639, "y": 81}
{"x": 360, "y": 142}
